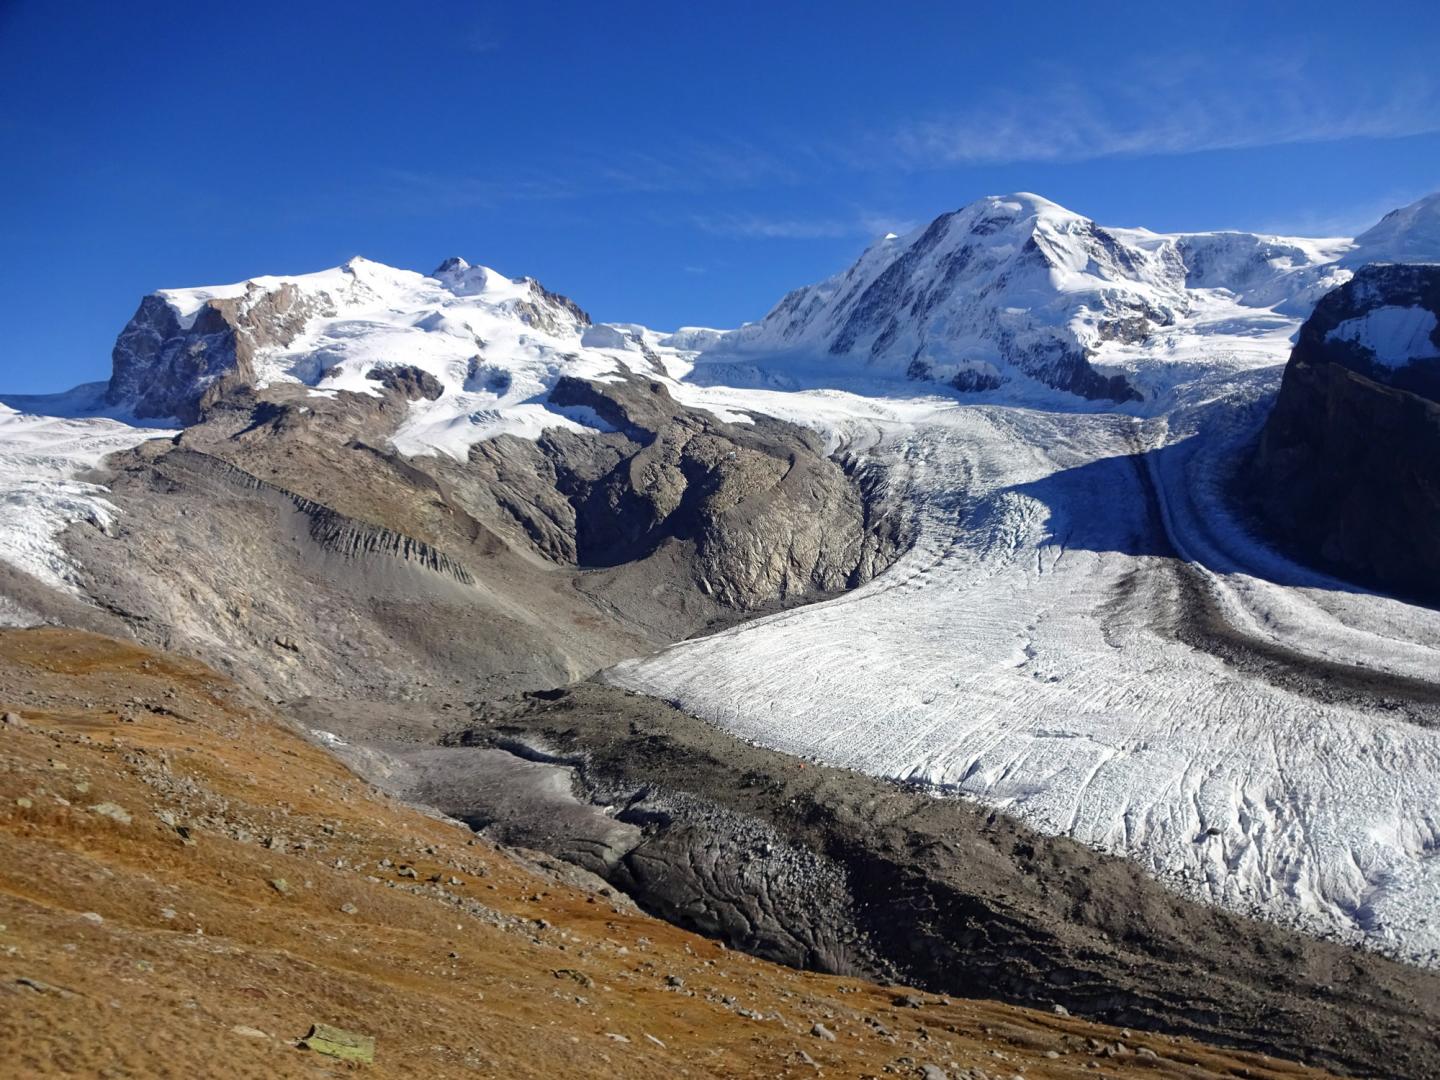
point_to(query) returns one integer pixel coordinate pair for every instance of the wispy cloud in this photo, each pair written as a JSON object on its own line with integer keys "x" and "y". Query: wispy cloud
{"x": 688, "y": 164}
{"x": 1163, "y": 109}
{"x": 681, "y": 167}
{"x": 1168, "y": 105}
{"x": 798, "y": 228}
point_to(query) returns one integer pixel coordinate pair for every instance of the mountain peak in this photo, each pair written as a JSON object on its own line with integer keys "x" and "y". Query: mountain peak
{"x": 453, "y": 265}
{"x": 1026, "y": 201}
{"x": 1410, "y": 234}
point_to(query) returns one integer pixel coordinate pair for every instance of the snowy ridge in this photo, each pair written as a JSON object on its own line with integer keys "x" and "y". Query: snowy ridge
{"x": 495, "y": 346}
{"x": 1018, "y": 287}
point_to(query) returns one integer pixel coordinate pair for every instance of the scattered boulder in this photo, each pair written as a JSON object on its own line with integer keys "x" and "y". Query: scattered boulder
{"x": 41, "y": 987}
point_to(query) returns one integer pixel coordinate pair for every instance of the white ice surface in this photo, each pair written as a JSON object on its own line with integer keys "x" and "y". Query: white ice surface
{"x": 1020, "y": 654}
{"x": 1395, "y": 335}
{"x": 41, "y": 457}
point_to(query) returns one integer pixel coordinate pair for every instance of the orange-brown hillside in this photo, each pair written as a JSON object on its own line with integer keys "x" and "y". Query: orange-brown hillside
{"x": 188, "y": 885}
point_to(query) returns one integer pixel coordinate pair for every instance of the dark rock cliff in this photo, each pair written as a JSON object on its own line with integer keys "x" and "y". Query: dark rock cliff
{"x": 1345, "y": 474}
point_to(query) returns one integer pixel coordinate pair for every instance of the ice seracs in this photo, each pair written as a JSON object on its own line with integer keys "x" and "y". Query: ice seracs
{"x": 43, "y": 458}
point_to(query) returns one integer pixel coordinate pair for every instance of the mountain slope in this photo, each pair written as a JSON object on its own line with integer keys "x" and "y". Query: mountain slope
{"x": 1408, "y": 234}
{"x": 1017, "y": 286}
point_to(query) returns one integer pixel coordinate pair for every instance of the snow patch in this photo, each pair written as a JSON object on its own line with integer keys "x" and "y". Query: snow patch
{"x": 1395, "y": 336}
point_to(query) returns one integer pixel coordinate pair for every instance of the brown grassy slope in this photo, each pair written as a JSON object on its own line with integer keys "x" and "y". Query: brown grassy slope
{"x": 163, "y": 946}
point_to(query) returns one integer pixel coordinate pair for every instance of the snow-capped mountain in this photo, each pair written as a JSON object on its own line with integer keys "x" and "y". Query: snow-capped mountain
{"x": 1009, "y": 287}
{"x": 1410, "y": 234}
{"x": 489, "y": 345}
{"x": 1017, "y": 285}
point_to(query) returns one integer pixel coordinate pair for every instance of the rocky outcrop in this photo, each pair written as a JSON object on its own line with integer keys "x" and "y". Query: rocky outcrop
{"x": 763, "y": 512}
{"x": 171, "y": 365}
{"x": 407, "y": 380}
{"x": 1345, "y": 474}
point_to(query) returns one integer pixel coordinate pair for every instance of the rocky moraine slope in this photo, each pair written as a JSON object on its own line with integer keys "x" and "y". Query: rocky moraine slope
{"x": 284, "y": 536}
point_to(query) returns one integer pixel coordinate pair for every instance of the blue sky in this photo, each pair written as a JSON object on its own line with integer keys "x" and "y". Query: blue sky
{"x": 660, "y": 163}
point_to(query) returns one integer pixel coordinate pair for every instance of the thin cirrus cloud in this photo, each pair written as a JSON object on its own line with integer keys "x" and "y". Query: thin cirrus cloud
{"x": 1167, "y": 106}
{"x": 1152, "y": 115}
{"x": 684, "y": 166}
{"x": 756, "y": 226}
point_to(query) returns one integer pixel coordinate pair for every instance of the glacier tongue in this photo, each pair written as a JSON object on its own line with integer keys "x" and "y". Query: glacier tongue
{"x": 41, "y": 459}
{"x": 1032, "y": 652}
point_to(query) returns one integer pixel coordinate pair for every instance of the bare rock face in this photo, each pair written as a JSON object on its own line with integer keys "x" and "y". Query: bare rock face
{"x": 280, "y": 539}
{"x": 767, "y": 516}
{"x": 407, "y": 380}
{"x": 1345, "y": 472}
{"x": 168, "y": 366}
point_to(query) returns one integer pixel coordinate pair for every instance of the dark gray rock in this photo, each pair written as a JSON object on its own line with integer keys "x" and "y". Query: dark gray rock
{"x": 407, "y": 380}
{"x": 163, "y": 368}
{"x": 1344, "y": 475}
